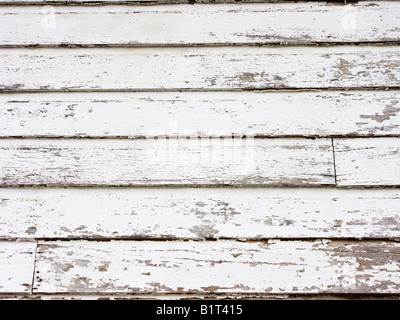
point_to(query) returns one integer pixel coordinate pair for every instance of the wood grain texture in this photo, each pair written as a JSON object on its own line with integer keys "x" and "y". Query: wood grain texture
{"x": 199, "y": 68}
{"x": 16, "y": 266}
{"x": 368, "y": 162}
{"x": 200, "y": 114}
{"x": 291, "y": 23}
{"x": 166, "y": 162}
{"x": 198, "y": 213}
{"x": 218, "y": 267}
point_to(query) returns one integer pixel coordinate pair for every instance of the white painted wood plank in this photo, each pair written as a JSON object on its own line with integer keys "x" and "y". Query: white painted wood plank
{"x": 180, "y": 296}
{"x": 367, "y": 161}
{"x": 134, "y": 2}
{"x": 218, "y": 267}
{"x": 16, "y": 266}
{"x": 200, "y": 114}
{"x": 199, "y": 68}
{"x": 166, "y": 162}
{"x": 158, "y": 2}
{"x": 199, "y": 213}
{"x": 191, "y": 296}
{"x": 206, "y": 24}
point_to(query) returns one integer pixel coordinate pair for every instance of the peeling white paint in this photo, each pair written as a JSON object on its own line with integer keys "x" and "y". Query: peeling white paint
{"x": 199, "y": 213}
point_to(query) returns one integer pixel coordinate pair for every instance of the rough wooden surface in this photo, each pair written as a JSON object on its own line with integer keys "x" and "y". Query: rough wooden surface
{"x": 166, "y": 162}
{"x": 367, "y": 162}
{"x": 198, "y": 213}
{"x": 199, "y": 68}
{"x": 205, "y": 24}
{"x": 16, "y": 266}
{"x": 200, "y": 114}
{"x": 218, "y": 267}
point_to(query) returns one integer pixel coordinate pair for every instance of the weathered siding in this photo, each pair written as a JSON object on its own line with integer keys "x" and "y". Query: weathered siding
{"x": 244, "y": 150}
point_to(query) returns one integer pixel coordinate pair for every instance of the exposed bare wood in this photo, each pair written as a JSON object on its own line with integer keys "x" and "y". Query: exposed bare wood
{"x": 199, "y": 68}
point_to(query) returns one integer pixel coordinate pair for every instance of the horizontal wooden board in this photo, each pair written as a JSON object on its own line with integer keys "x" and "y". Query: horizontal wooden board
{"x": 200, "y": 114}
{"x": 16, "y": 266}
{"x": 190, "y": 296}
{"x": 367, "y": 162}
{"x": 115, "y": 162}
{"x": 218, "y": 267}
{"x": 199, "y": 213}
{"x": 135, "y": 2}
{"x": 199, "y": 68}
{"x": 291, "y": 23}
{"x": 158, "y": 2}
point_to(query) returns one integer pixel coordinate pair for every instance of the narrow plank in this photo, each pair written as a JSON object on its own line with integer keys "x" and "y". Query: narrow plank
{"x": 158, "y": 2}
{"x": 200, "y": 114}
{"x": 265, "y": 23}
{"x": 185, "y": 213}
{"x": 17, "y": 261}
{"x": 367, "y": 162}
{"x": 199, "y": 68}
{"x": 166, "y": 162}
{"x": 218, "y": 267}
{"x": 191, "y": 296}
{"x": 135, "y": 2}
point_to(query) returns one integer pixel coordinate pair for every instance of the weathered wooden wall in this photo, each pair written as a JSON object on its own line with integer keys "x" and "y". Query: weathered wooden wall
{"x": 154, "y": 149}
